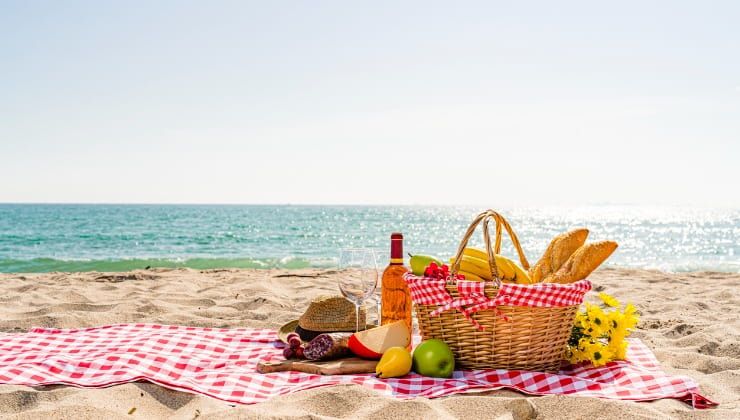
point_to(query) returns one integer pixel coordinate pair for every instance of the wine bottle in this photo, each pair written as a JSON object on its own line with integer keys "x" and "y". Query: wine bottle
{"x": 395, "y": 300}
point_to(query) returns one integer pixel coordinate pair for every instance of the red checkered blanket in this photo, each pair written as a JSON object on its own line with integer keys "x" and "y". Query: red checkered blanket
{"x": 221, "y": 363}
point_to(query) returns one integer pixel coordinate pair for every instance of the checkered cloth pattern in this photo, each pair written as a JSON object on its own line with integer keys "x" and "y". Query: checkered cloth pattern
{"x": 221, "y": 363}
{"x": 472, "y": 297}
{"x": 428, "y": 291}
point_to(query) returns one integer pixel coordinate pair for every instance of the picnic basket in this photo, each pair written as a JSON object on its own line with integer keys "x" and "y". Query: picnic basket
{"x": 529, "y": 333}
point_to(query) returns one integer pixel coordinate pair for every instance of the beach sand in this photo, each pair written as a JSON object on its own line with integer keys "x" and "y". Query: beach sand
{"x": 691, "y": 321}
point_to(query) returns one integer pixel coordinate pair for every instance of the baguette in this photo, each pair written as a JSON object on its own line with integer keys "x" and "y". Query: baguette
{"x": 584, "y": 261}
{"x": 557, "y": 253}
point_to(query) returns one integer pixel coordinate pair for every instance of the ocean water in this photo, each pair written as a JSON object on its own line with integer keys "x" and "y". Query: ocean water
{"x": 54, "y": 237}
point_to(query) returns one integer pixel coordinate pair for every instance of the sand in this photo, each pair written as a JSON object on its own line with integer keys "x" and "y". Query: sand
{"x": 691, "y": 322}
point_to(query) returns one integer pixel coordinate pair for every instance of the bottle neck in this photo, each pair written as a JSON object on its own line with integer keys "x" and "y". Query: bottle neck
{"x": 396, "y": 249}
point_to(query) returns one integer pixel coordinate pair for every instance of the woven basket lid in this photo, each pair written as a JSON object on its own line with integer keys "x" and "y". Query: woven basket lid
{"x": 330, "y": 313}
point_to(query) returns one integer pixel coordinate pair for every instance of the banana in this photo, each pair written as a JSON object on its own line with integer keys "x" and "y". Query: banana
{"x": 477, "y": 253}
{"x": 468, "y": 264}
{"x": 521, "y": 276}
{"x": 481, "y": 258}
{"x": 508, "y": 269}
{"x": 506, "y": 266}
{"x": 481, "y": 268}
{"x": 470, "y": 276}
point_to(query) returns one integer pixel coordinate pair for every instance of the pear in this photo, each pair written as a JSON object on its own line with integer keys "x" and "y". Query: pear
{"x": 419, "y": 263}
{"x": 396, "y": 362}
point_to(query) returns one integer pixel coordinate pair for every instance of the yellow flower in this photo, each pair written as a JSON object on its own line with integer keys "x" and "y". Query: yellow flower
{"x": 630, "y": 309}
{"x": 631, "y": 318}
{"x": 582, "y": 320}
{"x": 609, "y": 300}
{"x": 574, "y": 355}
{"x": 601, "y": 335}
{"x": 596, "y": 352}
{"x": 583, "y": 343}
{"x": 597, "y": 321}
{"x": 618, "y": 349}
{"x": 617, "y": 326}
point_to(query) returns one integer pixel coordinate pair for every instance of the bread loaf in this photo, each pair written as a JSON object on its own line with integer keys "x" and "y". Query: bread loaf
{"x": 557, "y": 253}
{"x": 584, "y": 261}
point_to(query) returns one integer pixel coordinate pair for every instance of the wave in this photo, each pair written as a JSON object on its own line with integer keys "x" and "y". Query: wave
{"x": 44, "y": 265}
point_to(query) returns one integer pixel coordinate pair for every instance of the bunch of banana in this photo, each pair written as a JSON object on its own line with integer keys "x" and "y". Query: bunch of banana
{"x": 474, "y": 266}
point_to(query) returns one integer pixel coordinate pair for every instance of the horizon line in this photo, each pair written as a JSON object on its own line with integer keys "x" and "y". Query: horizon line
{"x": 597, "y": 204}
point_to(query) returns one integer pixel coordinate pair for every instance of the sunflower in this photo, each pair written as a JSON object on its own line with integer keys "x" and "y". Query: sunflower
{"x": 596, "y": 352}
{"x": 617, "y": 326}
{"x": 575, "y": 355}
{"x": 597, "y": 325}
{"x": 599, "y": 335}
{"x": 631, "y": 318}
{"x": 609, "y": 300}
{"x": 582, "y": 321}
{"x": 618, "y": 349}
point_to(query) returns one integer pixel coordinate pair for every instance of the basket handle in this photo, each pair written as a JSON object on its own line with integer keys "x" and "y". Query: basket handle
{"x": 501, "y": 221}
{"x": 485, "y": 217}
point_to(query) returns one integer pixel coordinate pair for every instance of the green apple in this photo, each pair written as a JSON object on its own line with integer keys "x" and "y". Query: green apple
{"x": 419, "y": 263}
{"x": 433, "y": 358}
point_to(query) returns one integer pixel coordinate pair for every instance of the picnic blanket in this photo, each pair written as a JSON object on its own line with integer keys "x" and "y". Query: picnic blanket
{"x": 221, "y": 363}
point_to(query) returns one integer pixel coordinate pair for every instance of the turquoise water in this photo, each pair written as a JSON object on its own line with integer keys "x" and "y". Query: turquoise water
{"x": 41, "y": 238}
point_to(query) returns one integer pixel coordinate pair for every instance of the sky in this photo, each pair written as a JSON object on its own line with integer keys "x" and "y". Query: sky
{"x": 335, "y": 102}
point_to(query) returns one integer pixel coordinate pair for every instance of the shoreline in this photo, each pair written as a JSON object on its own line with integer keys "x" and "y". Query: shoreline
{"x": 689, "y": 320}
{"x": 258, "y": 265}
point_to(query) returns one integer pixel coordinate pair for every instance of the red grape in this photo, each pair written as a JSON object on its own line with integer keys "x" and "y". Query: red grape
{"x": 288, "y": 353}
{"x": 294, "y": 342}
{"x": 440, "y": 272}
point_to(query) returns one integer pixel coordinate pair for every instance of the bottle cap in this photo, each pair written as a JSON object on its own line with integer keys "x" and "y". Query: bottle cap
{"x": 396, "y": 248}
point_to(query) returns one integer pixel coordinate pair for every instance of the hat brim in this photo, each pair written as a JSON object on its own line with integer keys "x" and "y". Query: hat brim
{"x": 292, "y": 325}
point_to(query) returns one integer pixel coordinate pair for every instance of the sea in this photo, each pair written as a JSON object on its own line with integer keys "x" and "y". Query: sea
{"x": 101, "y": 237}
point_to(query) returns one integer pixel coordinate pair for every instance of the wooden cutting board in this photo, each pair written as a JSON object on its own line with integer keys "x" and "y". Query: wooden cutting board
{"x": 329, "y": 367}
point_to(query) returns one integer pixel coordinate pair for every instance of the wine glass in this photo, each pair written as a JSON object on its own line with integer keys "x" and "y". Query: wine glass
{"x": 358, "y": 277}
{"x": 381, "y": 258}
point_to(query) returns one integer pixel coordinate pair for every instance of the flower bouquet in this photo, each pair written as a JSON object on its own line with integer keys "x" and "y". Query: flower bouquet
{"x": 600, "y": 331}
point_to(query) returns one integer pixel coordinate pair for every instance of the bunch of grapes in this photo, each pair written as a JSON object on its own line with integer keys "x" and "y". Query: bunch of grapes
{"x": 295, "y": 347}
{"x": 440, "y": 272}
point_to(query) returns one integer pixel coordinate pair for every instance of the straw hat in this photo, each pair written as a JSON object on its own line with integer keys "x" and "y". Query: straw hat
{"x": 324, "y": 314}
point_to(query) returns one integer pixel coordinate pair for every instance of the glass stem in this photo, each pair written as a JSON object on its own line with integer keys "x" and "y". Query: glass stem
{"x": 357, "y": 317}
{"x": 380, "y": 312}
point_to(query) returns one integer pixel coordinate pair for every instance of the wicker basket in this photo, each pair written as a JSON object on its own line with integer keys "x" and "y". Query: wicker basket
{"x": 533, "y": 338}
